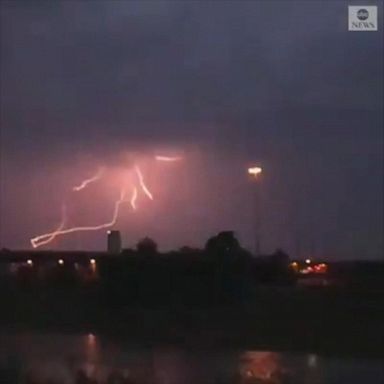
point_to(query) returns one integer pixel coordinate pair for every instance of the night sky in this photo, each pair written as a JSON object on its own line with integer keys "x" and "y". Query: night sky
{"x": 225, "y": 85}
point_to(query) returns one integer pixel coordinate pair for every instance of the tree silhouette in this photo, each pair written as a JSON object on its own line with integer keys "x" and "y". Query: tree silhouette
{"x": 223, "y": 243}
{"x": 147, "y": 246}
{"x": 187, "y": 249}
{"x": 280, "y": 258}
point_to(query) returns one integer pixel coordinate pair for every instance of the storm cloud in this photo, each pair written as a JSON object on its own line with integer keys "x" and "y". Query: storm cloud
{"x": 227, "y": 83}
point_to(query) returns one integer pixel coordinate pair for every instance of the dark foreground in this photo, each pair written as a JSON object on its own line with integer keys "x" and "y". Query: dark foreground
{"x": 182, "y": 319}
{"x": 75, "y": 358}
{"x": 279, "y": 319}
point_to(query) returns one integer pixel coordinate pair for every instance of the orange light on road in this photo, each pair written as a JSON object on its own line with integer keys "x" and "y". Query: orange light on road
{"x": 294, "y": 265}
{"x": 321, "y": 268}
{"x": 307, "y": 270}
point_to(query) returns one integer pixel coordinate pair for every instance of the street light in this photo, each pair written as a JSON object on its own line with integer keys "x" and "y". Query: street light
{"x": 255, "y": 172}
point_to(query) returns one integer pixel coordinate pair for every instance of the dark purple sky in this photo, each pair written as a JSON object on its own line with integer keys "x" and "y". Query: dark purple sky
{"x": 225, "y": 84}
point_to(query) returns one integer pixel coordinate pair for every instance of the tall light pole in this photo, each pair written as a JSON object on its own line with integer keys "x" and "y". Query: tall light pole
{"x": 254, "y": 172}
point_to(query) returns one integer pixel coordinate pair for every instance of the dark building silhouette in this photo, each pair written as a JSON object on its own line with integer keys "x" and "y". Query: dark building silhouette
{"x": 114, "y": 242}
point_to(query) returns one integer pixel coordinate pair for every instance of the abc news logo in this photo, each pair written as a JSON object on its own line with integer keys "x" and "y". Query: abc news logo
{"x": 362, "y": 18}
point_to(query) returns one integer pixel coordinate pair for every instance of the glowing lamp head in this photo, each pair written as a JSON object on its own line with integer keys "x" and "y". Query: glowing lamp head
{"x": 29, "y": 262}
{"x": 254, "y": 171}
{"x": 92, "y": 261}
{"x": 60, "y": 261}
{"x": 308, "y": 261}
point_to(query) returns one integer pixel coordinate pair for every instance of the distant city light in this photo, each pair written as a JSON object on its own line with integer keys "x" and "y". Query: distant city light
{"x": 61, "y": 261}
{"x": 321, "y": 268}
{"x": 307, "y": 270}
{"x": 308, "y": 261}
{"x": 295, "y": 266}
{"x": 254, "y": 171}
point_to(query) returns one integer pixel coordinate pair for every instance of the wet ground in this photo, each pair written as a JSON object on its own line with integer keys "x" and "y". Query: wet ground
{"x": 73, "y": 358}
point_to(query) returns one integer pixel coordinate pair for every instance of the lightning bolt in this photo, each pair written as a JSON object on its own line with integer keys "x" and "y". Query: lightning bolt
{"x": 84, "y": 183}
{"x": 47, "y": 237}
{"x": 35, "y": 242}
{"x": 134, "y": 198}
{"x": 168, "y": 158}
{"x": 142, "y": 183}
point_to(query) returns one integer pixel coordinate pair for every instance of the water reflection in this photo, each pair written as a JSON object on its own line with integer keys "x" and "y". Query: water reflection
{"x": 89, "y": 359}
{"x": 312, "y": 361}
{"x": 260, "y": 366}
